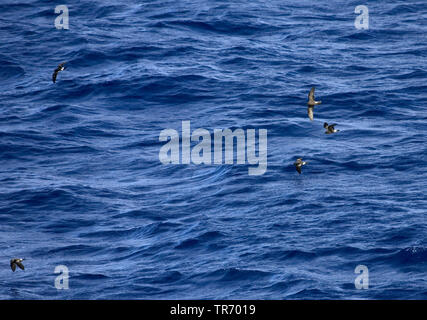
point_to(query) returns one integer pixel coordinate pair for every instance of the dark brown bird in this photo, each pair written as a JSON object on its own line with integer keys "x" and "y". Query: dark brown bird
{"x": 311, "y": 103}
{"x": 16, "y": 262}
{"x": 55, "y": 73}
{"x": 330, "y": 128}
{"x": 298, "y": 164}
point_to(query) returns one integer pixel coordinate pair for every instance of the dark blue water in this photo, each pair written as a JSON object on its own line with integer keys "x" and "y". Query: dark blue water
{"x": 81, "y": 183}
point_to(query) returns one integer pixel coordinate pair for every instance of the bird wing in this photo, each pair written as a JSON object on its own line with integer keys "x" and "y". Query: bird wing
{"x": 19, "y": 264}
{"x": 310, "y": 113}
{"x": 298, "y": 169}
{"x": 55, "y": 73}
{"x": 13, "y": 266}
{"x": 311, "y": 95}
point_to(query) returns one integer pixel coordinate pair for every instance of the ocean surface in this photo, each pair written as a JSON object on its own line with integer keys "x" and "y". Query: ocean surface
{"x": 81, "y": 183}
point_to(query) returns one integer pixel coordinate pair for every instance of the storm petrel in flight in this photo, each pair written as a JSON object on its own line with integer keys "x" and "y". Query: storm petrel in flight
{"x": 330, "y": 128}
{"x": 16, "y": 262}
{"x": 55, "y": 73}
{"x": 298, "y": 164}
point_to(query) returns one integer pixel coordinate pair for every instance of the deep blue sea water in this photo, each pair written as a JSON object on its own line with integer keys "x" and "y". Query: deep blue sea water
{"x": 81, "y": 183}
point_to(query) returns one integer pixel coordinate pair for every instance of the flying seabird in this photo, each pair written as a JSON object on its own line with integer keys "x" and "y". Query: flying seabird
{"x": 16, "y": 262}
{"x": 330, "y": 128}
{"x": 311, "y": 103}
{"x": 298, "y": 164}
{"x": 55, "y": 73}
